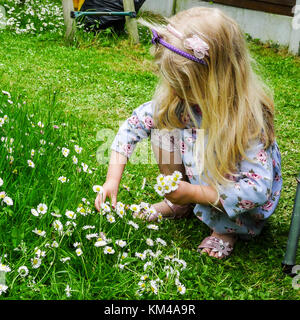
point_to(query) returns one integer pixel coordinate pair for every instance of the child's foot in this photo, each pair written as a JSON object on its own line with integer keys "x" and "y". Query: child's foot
{"x": 218, "y": 245}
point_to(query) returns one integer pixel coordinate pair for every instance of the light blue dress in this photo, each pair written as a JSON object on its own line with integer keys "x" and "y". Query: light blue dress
{"x": 248, "y": 200}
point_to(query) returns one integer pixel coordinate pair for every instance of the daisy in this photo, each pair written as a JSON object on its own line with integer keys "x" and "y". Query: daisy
{"x": 92, "y": 235}
{"x": 161, "y": 241}
{"x": 108, "y": 250}
{"x": 68, "y": 291}
{"x": 57, "y": 215}
{"x": 79, "y": 252}
{"x": 30, "y": 163}
{"x": 23, "y": 271}
{"x": 76, "y": 244}
{"x": 152, "y": 227}
{"x": 105, "y": 207}
{"x": 34, "y": 212}
{"x": 54, "y": 244}
{"x": 3, "y": 288}
{"x": 88, "y": 227}
{"x": 63, "y": 260}
{"x": 32, "y": 152}
{"x": 2, "y": 195}
{"x": 110, "y": 218}
{"x": 159, "y": 190}
{"x": 140, "y": 255}
{"x": 121, "y": 243}
{"x": 58, "y": 226}
{"x": 63, "y": 179}
{"x": 84, "y": 167}
{"x": 131, "y": 223}
{"x": 120, "y": 212}
{"x": 82, "y": 211}
{"x": 144, "y": 277}
{"x": 40, "y": 124}
{"x": 65, "y": 152}
{"x": 77, "y": 149}
{"x": 8, "y": 201}
{"x": 38, "y": 252}
{"x": 39, "y": 232}
{"x": 98, "y": 189}
{"x": 123, "y": 255}
{"x": 71, "y": 214}
{"x": 42, "y": 208}
{"x": 1, "y": 182}
{"x": 100, "y": 243}
{"x": 74, "y": 159}
{"x": 4, "y": 268}
{"x": 150, "y": 242}
{"x": 153, "y": 286}
{"x": 135, "y": 208}
{"x": 142, "y": 285}
{"x": 36, "y": 262}
{"x": 181, "y": 288}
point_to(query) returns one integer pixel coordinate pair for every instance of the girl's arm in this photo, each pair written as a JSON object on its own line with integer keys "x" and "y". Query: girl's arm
{"x": 114, "y": 174}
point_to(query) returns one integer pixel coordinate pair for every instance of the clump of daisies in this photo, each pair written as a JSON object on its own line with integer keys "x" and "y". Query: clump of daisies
{"x": 166, "y": 184}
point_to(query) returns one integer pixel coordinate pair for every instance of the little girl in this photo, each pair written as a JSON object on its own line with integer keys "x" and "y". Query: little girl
{"x": 206, "y": 82}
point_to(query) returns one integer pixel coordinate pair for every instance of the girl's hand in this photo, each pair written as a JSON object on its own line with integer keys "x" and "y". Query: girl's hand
{"x": 184, "y": 194}
{"x": 110, "y": 189}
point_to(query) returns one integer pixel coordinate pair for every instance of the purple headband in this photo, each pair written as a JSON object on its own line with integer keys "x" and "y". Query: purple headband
{"x": 157, "y": 39}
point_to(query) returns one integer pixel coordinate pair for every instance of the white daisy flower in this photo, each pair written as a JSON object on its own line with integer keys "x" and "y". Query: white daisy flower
{"x": 161, "y": 241}
{"x": 74, "y": 159}
{"x": 63, "y": 260}
{"x": 79, "y": 252}
{"x": 3, "y": 288}
{"x": 135, "y": 208}
{"x": 100, "y": 243}
{"x": 108, "y": 250}
{"x": 23, "y": 271}
{"x": 181, "y": 288}
{"x": 58, "y": 226}
{"x": 30, "y": 163}
{"x": 159, "y": 190}
{"x": 2, "y": 195}
{"x": 39, "y": 232}
{"x": 57, "y": 215}
{"x": 54, "y": 244}
{"x": 84, "y": 167}
{"x": 142, "y": 285}
{"x": 71, "y": 214}
{"x": 92, "y": 235}
{"x": 110, "y": 218}
{"x": 40, "y": 124}
{"x": 8, "y": 201}
{"x": 121, "y": 212}
{"x": 121, "y": 243}
{"x": 154, "y": 286}
{"x": 152, "y": 227}
{"x": 140, "y": 255}
{"x": 42, "y": 208}
{"x": 133, "y": 224}
{"x": 150, "y": 242}
{"x": 98, "y": 189}
{"x": 32, "y": 152}
{"x": 63, "y": 179}
{"x": 4, "y": 268}
{"x": 88, "y": 227}
{"x": 77, "y": 149}
{"x": 65, "y": 152}
{"x": 68, "y": 291}
{"x": 36, "y": 262}
{"x": 1, "y": 182}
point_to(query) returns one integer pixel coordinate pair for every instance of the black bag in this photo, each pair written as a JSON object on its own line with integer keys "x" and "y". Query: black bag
{"x": 103, "y": 22}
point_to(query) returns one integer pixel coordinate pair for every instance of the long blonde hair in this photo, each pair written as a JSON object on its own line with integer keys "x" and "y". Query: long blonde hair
{"x": 236, "y": 105}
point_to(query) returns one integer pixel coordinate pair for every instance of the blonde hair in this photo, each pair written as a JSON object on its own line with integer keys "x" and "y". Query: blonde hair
{"x": 235, "y": 105}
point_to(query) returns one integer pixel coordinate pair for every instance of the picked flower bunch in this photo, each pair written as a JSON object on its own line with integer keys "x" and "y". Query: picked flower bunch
{"x": 166, "y": 184}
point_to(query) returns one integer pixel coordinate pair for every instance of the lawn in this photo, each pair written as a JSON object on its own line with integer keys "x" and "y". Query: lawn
{"x": 57, "y": 96}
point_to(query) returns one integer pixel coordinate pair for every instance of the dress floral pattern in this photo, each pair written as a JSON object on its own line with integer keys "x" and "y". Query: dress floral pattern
{"x": 248, "y": 200}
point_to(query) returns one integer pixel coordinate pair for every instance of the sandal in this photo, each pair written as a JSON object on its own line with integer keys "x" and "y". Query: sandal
{"x": 217, "y": 245}
{"x": 178, "y": 212}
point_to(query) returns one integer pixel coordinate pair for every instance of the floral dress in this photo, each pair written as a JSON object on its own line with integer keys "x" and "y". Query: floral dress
{"x": 248, "y": 200}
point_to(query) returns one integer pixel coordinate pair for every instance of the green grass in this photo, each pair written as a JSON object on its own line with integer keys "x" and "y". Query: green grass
{"x": 90, "y": 86}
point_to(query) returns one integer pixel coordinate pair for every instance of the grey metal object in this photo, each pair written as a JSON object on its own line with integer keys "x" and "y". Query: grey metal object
{"x": 294, "y": 233}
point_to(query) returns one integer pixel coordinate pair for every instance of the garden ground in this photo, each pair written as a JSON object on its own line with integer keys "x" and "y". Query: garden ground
{"x": 93, "y": 85}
